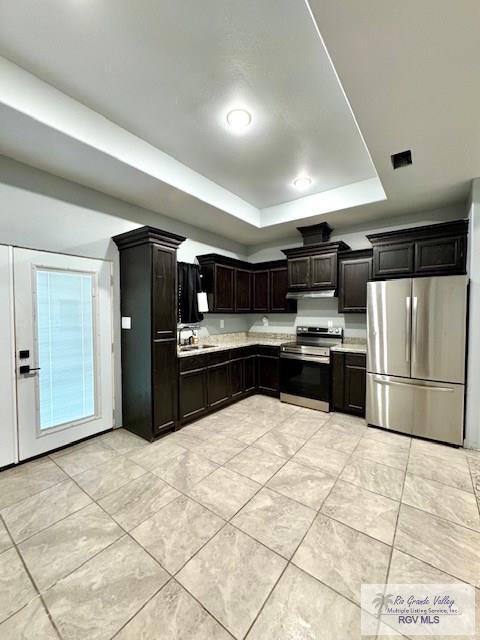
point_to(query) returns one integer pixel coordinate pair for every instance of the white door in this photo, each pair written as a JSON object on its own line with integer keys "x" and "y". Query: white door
{"x": 63, "y": 336}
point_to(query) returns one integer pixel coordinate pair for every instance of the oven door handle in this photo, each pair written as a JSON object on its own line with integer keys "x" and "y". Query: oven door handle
{"x": 295, "y": 356}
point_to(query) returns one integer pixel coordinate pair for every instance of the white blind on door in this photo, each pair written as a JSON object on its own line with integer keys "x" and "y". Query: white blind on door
{"x": 65, "y": 341}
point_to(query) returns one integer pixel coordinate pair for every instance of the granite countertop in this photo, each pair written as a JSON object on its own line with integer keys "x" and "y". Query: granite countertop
{"x": 241, "y": 340}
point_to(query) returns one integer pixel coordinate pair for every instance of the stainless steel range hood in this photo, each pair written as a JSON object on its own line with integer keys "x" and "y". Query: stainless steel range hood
{"x": 308, "y": 295}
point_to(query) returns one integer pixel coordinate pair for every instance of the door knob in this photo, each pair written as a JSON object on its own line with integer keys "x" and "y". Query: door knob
{"x": 25, "y": 368}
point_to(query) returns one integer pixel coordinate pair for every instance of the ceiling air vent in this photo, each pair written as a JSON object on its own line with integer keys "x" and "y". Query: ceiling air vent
{"x": 402, "y": 159}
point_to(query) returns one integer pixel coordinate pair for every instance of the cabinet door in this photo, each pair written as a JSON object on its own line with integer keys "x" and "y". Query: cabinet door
{"x": 298, "y": 273}
{"x": 440, "y": 256}
{"x": 267, "y": 372}
{"x": 260, "y": 290}
{"x": 243, "y": 288}
{"x": 192, "y": 393}
{"x": 164, "y": 385}
{"x": 237, "y": 385}
{"x": 338, "y": 382}
{"x": 218, "y": 383}
{"x": 355, "y": 380}
{"x": 250, "y": 373}
{"x": 224, "y": 288}
{"x": 164, "y": 294}
{"x": 391, "y": 260}
{"x": 324, "y": 271}
{"x": 354, "y": 273}
{"x": 278, "y": 289}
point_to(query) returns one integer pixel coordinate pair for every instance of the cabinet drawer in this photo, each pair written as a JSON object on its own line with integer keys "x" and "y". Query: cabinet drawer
{"x": 218, "y": 357}
{"x": 356, "y": 360}
{"x": 193, "y": 362}
{"x": 268, "y": 351}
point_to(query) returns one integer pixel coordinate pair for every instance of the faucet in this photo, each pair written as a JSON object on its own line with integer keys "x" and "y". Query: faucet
{"x": 180, "y": 333}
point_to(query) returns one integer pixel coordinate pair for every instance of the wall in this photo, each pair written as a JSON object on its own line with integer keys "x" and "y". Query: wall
{"x": 38, "y": 210}
{"x": 472, "y": 431}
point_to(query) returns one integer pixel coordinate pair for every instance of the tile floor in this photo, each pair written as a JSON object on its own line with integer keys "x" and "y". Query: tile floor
{"x": 261, "y": 521}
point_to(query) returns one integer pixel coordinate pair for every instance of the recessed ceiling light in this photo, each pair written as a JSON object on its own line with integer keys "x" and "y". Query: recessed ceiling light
{"x": 302, "y": 182}
{"x": 239, "y": 119}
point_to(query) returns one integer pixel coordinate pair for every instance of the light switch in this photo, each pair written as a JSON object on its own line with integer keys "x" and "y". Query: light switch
{"x": 126, "y": 322}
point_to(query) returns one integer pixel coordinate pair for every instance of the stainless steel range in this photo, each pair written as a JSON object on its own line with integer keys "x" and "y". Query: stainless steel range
{"x": 305, "y": 367}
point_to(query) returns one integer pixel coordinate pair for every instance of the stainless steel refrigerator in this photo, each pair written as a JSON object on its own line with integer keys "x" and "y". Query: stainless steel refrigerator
{"x": 416, "y": 332}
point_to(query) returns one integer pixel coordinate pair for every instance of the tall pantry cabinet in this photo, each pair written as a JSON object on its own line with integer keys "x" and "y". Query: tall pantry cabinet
{"x": 148, "y": 290}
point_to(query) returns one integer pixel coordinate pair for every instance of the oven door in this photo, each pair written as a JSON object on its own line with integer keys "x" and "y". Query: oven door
{"x": 305, "y": 380}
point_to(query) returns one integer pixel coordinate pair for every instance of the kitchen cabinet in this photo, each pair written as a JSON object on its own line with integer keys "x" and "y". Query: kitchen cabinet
{"x": 208, "y": 382}
{"x": 243, "y": 290}
{"x": 349, "y": 376}
{"x": 236, "y": 286}
{"x": 268, "y": 370}
{"x": 354, "y": 272}
{"x": 148, "y": 296}
{"x": 438, "y": 249}
{"x": 314, "y": 267}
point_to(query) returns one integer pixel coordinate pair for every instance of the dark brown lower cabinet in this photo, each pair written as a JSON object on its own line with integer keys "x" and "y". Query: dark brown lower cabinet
{"x": 209, "y": 382}
{"x": 164, "y": 386}
{"x": 237, "y": 385}
{"x": 268, "y": 370}
{"x": 349, "y": 379}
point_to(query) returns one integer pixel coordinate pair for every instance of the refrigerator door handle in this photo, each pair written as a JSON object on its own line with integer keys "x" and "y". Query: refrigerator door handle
{"x": 412, "y": 386}
{"x": 414, "y": 329}
{"x": 408, "y": 301}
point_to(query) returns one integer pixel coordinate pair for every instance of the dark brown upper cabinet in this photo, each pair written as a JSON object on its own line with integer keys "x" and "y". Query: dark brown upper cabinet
{"x": 438, "y": 249}
{"x": 354, "y": 271}
{"x": 313, "y": 267}
{"x": 261, "y": 290}
{"x": 243, "y": 290}
{"x": 148, "y": 295}
{"x": 257, "y": 287}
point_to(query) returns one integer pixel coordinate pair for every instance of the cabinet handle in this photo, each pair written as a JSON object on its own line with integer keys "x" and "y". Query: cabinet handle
{"x": 408, "y": 302}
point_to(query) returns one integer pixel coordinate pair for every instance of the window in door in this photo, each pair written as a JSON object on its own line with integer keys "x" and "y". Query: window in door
{"x": 65, "y": 333}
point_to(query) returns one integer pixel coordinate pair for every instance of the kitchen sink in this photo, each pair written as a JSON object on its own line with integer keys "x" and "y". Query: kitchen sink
{"x": 197, "y": 347}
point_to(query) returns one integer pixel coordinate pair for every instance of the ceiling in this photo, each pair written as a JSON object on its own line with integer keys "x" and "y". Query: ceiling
{"x": 131, "y": 98}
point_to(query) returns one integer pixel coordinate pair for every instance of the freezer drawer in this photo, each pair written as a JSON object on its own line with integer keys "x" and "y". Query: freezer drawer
{"x": 428, "y": 409}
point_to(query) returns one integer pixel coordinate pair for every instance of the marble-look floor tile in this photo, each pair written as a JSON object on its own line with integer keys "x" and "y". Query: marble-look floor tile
{"x": 220, "y": 448}
{"x": 300, "y": 607}
{"x": 154, "y": 454}
{"x": 337, "y": 437}
{"x": 387, "y": 453}
{"x": 57, "y": 551}
{"x": 437, "y": 469}
{"x": 16, "y": 588}
{"x": 374, "y": 476}
{"x": 177, "y": 532}
{"x": 97, "y": 599}
{"x": 350, "y": 421}
{"x": 30, "y": 623}
{"x": 363, "y": 510}
{"x": 299, "y": 427}
{"x": 256, "y": 464}
{"x": 274, "y": 520}
{"x": 303, "y": 484}
{"x": 27, "y": 479}
{"x": 123, "y": 441}
{"x": 315, "y": 455}
{"x": 224, "y": 492}
{"x": 177, "y": 614}
{"x": 104, "y": 479}
{"x": 443, "y": 544}
{"x": 341, "y": 557}
{"x": 247, "y": 430}
{"x": 450, "y": 455}
{"x": 280, "y": 443}
{"x": 140, "y": 499}
{"x": 407, "y": 570}
{"x": 441, "y": 500}
{"x": 185, "y": 470}
{"x": 86, "y": 457}
{"x": 41, "y": 510}
{"x": 5, "y": 541}
{"x": 390, "y": 437}
{"x": 232, "y": 577}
